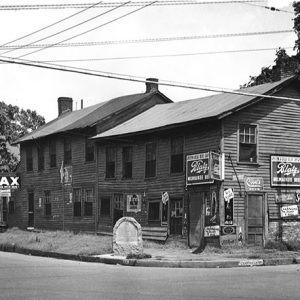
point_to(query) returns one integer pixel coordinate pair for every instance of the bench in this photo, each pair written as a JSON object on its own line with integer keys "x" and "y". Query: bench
{"x": 155, "y": 233}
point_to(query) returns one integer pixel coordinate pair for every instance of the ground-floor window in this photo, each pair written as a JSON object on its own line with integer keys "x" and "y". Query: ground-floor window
{"x": 154, "y": 210}
{"x": 47, "y": 203}
{"x": 88, "y": 202}
{"x": 105, "y": 206}
{"x": 83, "y": 199}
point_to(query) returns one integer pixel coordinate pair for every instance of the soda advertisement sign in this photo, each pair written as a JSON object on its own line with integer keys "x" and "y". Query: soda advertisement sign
{"x": 289, "y": 211}
{"x": 254, "y": 184}
{"x": 228, "y": 207}
{"x": 285, "y": 170}
{"x": 203, "y": 168}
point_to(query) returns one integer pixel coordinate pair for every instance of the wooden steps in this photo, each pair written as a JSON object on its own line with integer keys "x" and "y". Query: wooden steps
{"x": 155, "y": 233}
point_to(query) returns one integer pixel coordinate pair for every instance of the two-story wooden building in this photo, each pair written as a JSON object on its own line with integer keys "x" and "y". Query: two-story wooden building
{"x": 224, "y": 168}
{"x": 58, "y": 162}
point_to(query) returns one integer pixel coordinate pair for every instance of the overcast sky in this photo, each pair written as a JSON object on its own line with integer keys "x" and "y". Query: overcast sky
{"x": 38, "y": 89}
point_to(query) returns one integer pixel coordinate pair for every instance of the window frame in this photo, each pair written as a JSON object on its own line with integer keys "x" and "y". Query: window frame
{"x": 52, "y": 154}
{"x": 77, "y": 203}
{"x": 41, "y": 157}
{"x": 29, "y": 159}
{"x": 88, "y": 203}
{"x": 154, "y": 201}
{"x": 176, "y": 154}
{"x": 89, "y": 150}
{"x": 126, "y": 162}
{"x": 67, "y": 151}
{"x": 47, "y": 203}
{"x": 148, "y": 163}
{"x": 101, "y": 206}
{"x": 249, "y": 135}
{"x": 108, "y": 164}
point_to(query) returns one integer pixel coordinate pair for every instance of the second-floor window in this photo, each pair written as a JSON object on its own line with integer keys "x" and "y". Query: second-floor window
{"x": 41, "y": 157}
{"x": 150, "y": 168}
{"x": 110, "y": 162}
{"x": 67, "y": 151}
{"x": 47, "y": 203}
{"x": 52, "y": 153}
{"x": 127, "y": 162}
{"x": 247, "y": 143}
{"x": 89, "y": 150}
{"x": 29, "y": 159}
{"x": 177, "y": 155}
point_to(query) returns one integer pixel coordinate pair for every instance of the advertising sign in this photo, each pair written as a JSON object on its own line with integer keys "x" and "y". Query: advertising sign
{"x": 9, "y": 182}
{"x": 228, "y": 207}
{"x": 285, "y": 198}
{"x": 285, "y": 170}
{"x": 134, "y": 203}
{"x": 210, "y": 231}
{"x": 253, "y": 184}
{"x": 289, "y": 211}
{"x": 203, "y": 168}
{"x": 228, "y": 230}
{"x": 66, "y": 173}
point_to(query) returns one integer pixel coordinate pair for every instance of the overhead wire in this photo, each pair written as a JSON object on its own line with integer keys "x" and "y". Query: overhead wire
{"x": 50, "y": 25}
{"x": 92, "y": 29}
{"x": 132, "y": 78}
{"x": 147, "y": 40}
{"x": 272, "y": 8}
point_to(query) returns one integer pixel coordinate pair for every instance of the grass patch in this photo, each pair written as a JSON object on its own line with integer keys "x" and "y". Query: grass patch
{"x": 138, "y": 256}
{"x": 58, "y": 241}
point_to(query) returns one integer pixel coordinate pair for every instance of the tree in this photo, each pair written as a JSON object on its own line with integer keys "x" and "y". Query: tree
{"x": 283, "y": 62}
{"x": 14, "y": 123}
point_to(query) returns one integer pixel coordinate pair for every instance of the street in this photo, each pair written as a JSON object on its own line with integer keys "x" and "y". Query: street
{"x": 29, "y": 277}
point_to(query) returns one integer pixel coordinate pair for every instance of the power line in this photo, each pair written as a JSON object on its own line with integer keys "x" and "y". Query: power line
{"x": 48, "y": 26}
{"x": 162, "y": 55}
{"x": 272, "y": 8}
{"x": 127, "y": 77}
{"x": 147, "y": 40}
{"x": 112, "y": 4}
{"x": 97, "y": 27}
{"x": 64, "y": 30}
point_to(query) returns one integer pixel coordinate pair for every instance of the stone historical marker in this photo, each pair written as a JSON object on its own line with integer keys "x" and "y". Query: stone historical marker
{"x": 127, "y": 237}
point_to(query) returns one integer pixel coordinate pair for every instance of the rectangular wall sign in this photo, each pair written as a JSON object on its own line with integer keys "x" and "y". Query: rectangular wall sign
{"x": 289, "y": 211}
{"x": 285, "y": 170}
{"x": 134, "y": 202}
{"x": 9, "y": 181}
{"x": 228, "y": 206}
{"x": 253, "y": 184}
{"x": 210, "y": 231}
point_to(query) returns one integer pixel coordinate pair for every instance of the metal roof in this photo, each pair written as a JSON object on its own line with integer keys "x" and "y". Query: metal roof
{"x": 85, "y": 117}
{"x": 164, "y": 115}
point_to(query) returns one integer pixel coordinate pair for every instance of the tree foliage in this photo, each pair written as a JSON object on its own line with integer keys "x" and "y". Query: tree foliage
{"x": 14, "y": 123}
{"x": 283, "y": 62}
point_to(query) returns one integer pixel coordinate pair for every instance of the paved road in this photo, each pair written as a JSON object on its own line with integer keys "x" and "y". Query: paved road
{"x": 28, "y": 277}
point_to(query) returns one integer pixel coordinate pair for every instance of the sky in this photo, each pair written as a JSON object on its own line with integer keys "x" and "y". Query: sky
{"x": 181, "y": 60}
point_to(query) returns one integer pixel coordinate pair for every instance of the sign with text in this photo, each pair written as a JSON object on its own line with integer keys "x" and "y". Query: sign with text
{"x": 289, "y": 211}
{"x": 210, "y": 231}
{"x": 285, "y": 198}
{"x": 8, "y": 181}
{"x": 253, "y": 184}
{"x": 134, "y": 203}
{"x": 285, "y": 170}
{"x": 203, "y": 168}
{"x": 228, "y": 207}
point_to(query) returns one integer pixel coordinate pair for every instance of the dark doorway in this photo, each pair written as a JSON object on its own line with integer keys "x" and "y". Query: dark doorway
{"x": 3, "y": 210}
{"x": 118, "y": 207}
{"x": 255, "y": 219}
{"x": 176, "y": 216}
{"x": 30, "y": 209}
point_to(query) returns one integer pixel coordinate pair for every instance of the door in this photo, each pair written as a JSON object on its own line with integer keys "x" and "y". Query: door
{"x": 30, "y": 209}
{"x": 4, "y": 209}
{"x": 118, "y": 207}
{"x": 255, "y": 219}
{"x": 176, "y": 216}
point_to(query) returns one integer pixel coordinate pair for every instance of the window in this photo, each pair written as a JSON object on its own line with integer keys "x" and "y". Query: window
{"x": 88, "y": 202}
{"x": 89, "y": 150}
{"x": 247, "y": 143}
{"x": 127, "y": 162}
{"x": 105, "y": 206}
{"x": 67, "y": 151}
{"x": 29, "y": 159}
{"x": 47, "y": 203}
{"x": 154, "y": 210}
{"x": 77, "y": 203}
{"x": 41, "y": 158}
{"x": 177, "y": 155}
{"x": 150, "y": 160}
{"x": 52, "y": 153}
{"x": 110, "y": 162}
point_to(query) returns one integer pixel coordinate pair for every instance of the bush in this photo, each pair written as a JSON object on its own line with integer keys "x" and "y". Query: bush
{"x": 292, "y": 245}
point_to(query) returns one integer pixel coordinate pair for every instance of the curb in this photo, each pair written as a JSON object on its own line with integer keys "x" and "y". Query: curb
{"x": 120, "y": 260}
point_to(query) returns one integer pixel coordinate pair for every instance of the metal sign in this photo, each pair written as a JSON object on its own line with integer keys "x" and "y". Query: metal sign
{"x": 289, "y": 211}
{"x": 290, "y": 198}
{"x": 228, "y": 207}
{"x": 285, "y": 170}
{"x": 253, "y": 184}
{"x": 210, "y": 231}
{"x": 8, "y": 181}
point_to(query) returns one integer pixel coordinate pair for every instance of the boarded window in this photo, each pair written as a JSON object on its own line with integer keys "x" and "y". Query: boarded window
{"x": 105, "y": 206}
{"x": 127, "y": 162}
{"x": 29, "y": 159}
{"x": 154, "y": 210}
{"x": 52, "y": 153}
{"x": 47, "y": 203}
{"x": 67, "y": 151}
{"x": 110, "y": 162}
{"x": 88, "y": 202}
{"x": 177, "y": 155}
{"x": 77, "y": 202}
{"x": 150, "y": 170}
{"x": 89, "y": 150}
{"x": 41, "y": 157}
{"x": 247, "y": 143}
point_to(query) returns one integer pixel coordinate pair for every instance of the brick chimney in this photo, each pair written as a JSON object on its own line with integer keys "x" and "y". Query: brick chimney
{"x": 64, "y": 104}
{"x": 151, "y": 86}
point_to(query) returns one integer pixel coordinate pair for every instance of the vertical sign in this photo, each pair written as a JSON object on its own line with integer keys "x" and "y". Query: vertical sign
{"x": 228, "y": 199}
{"x": 165, "y": 208}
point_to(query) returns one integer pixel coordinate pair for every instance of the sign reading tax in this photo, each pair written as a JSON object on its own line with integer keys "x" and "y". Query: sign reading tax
{"x": 285, "y": 170}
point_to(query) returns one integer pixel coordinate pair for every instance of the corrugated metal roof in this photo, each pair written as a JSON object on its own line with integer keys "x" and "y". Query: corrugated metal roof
{"x": 85, "y": 117}
{"x": 164, "y": 115}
